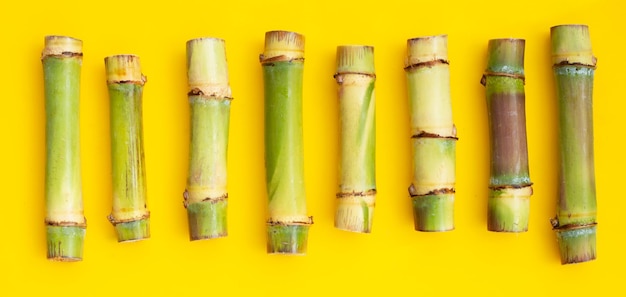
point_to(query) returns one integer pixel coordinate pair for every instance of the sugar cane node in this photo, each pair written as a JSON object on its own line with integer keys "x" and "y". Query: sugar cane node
{"x": 209, "y": 95}
{"x": 115, "y": 221}
{"x": 513, "y": 186}
{"x": 424, "y": 134}
{"x": 371, "y": 192}
{"x": 483, "y": 80}
{"x": 427, "y": 64}
{"x": 66, "y": 223}
{"x": 186, "y": 198}
{"x": 567, "y": 63}
{"x": 338, "y": 75}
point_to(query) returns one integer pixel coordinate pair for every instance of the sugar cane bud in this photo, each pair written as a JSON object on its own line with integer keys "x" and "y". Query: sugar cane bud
{"x": 509, "y": 186}
{"x": 433, "y": 133}
{"x": 282, "y": 63}
{"x": 206, "y": 195}
{"x": 357, "y": 183}
{"x": 129, "y": 214}
{"x": 65, "y": 222}
{"x": 574, "y": 66}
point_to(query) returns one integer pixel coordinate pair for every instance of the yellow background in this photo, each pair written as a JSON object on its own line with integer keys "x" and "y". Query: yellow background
{"x": 394, "y": 259}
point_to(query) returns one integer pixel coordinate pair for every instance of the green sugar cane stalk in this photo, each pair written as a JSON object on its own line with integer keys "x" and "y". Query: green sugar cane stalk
{"x": 510, "y": 186}
{"x": 433, "y": 133}
{"x": 357, "y": 182}
{"x": 282, "y": 62}
{"x": 574, "y": 66}
{"x": 65, "y": 222}
{"x": 130, "y": 214}
{"x": 209, "y": 101}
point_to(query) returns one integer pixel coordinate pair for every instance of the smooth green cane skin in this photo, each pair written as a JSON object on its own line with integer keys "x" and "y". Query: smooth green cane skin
{"x": 577, "y": 192}
{"x": 429, "y": 100}
{"x": 284, "y": 162}
{"x": 577, "y": 245}
{"x": 358, "y": 138}
{"x": 507, "y": 214}
{"x": 207, "y": 219}
{"x": 65, "y": 243}
{"x": 433, "y": 213}
{"x": 127, "y": 156}
{"x": 287, "y": 239}
{"x": 63, "y": 176}
{"x": 133, "y": 231}
{"x": 433, "y": 163}
{"x": 208, "y": 148}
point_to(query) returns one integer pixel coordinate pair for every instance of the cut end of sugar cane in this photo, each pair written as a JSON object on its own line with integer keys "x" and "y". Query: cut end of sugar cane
{"x": 355, "y": 212}
{"x": 571, "y": 45}
{"x": 427, "y": 49}
{"x": 282, "y": 46}
{"x": 357, "y": 59}
{"x": 287, "y": 238}
{"x": 133, "y": 230}
{"x": 506, "y": 57}
{"x": 577, "y": 244}
{"x": 508, "y": 209}
{"x": 207, "y": 219}
{"x": 123, "y": 69}
{"x": 434, "y": 213}
{"x": 62, "y": 46}
{"x": 207, "y": 70}
{"x": 65, "y": 243}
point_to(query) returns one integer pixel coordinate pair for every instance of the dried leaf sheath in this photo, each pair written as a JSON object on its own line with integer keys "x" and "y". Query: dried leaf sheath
{"x": 357, "y": 181}
{"x": 206, "y": 196}
{"x": 574, "y": 67}
{"x": 282, "y": 62}
{"x": 433, "y": 133}
{"x": 510, "y": 186}
{"x": 130, "y": 214}
{"x": 65, "y": 223}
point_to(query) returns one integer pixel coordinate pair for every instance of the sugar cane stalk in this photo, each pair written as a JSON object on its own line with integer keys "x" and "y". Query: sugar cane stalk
{"x": 574, "y": 66}
{"x": 509, "y": 186}
{"x": 282, "y": 62}
{"x": 357, "y": 181}
{"x": 65, "y": 222}
{"x": 209, "y": 101}
{"x": 433, "y": 133}
{"x": 130, "y": 214}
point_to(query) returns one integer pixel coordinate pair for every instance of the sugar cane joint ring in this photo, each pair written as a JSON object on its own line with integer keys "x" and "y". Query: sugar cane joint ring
{"x": 483, "y": 80}
{"x": 189, "y": 199}
{"x": 282, "y": 58}
{"x": 426, "y": 64}
{"x": 271, "y": 222}
{"x": 371, "y": 192}
{"x": 570, "y": 226}
{"x": 339, "y": 74}
{"x": 66, "y": 223}
{"x": 424, "y": 134}
{"x": 576, "y": 64}
{"x": 114, "y": 221}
